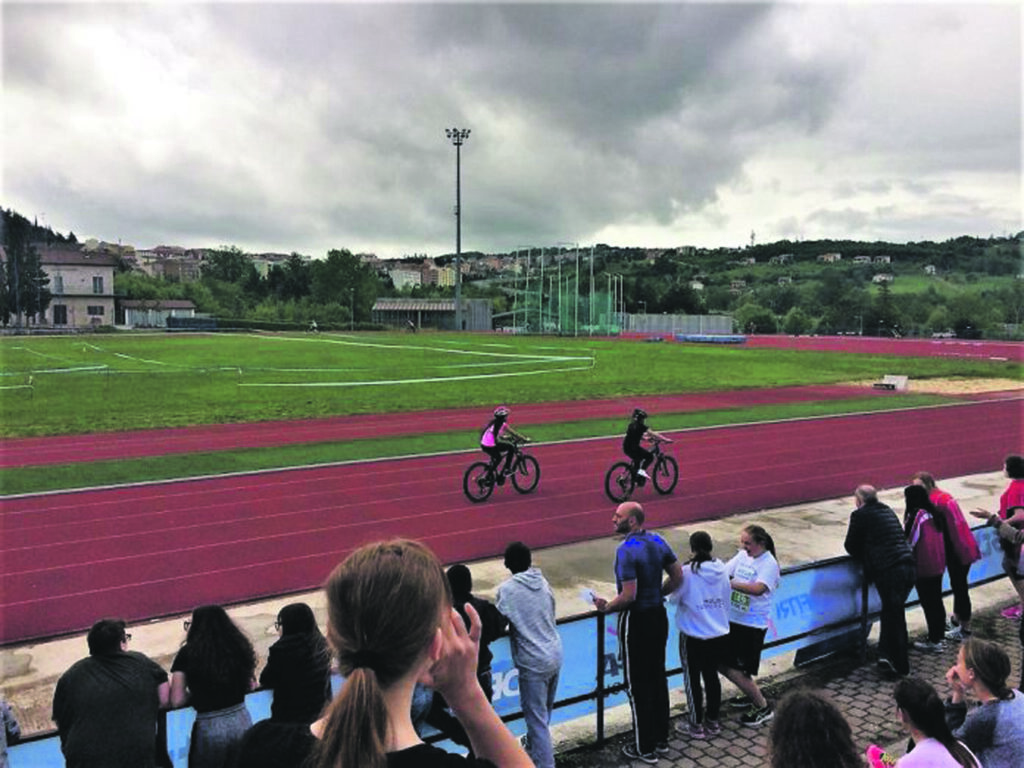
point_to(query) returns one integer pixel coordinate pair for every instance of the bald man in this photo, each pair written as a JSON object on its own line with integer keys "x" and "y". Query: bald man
{"x": 876, "y": 539}
{"x": 640, "y": 561}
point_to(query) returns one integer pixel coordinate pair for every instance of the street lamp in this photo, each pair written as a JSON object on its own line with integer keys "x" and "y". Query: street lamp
{"x": 457, "y": 136}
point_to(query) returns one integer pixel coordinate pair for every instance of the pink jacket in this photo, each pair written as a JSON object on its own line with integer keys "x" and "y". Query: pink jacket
{"x": 962, "y": 543}
{"x": 929, "y": 548}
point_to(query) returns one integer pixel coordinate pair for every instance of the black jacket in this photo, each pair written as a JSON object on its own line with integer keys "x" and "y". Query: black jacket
{"x": 875, "y": 538}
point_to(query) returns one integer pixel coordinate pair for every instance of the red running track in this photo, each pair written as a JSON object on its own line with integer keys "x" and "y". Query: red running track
{"x": 985, "y": 350}
{"x": 68, "y": 449}
{"x": 161, "y": 549}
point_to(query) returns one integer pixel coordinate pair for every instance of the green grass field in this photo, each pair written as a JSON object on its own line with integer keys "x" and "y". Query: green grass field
{"x": 71, "y": 385}
{"x": 68, "y": 385}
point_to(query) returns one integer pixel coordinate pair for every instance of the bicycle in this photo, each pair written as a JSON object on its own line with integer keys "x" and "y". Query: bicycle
{"x": 621, "y": 478}
{"x": 480, "y": 478}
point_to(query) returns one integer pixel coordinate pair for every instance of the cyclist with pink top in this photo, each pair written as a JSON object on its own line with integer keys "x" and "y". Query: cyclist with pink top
{"x": 496, "y": 439}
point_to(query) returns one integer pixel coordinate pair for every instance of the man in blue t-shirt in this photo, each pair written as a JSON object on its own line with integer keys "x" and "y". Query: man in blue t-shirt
{"x": 640, "y": 561}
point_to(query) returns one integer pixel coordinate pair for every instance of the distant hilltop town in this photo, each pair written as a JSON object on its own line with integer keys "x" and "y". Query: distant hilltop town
{"x": 967, "y": 286}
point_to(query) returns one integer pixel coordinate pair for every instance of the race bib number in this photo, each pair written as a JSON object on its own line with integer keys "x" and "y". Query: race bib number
{"x": 740, "y": 601}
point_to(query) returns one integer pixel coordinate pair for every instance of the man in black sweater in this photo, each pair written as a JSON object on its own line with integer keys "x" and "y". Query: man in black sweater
{"x": 875, "y": 538}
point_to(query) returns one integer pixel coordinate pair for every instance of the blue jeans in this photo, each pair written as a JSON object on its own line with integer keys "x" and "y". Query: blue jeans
{"x": 537, "y": 698}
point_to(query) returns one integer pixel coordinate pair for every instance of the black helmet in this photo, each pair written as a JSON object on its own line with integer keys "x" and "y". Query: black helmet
{"x": 639, "y": 414}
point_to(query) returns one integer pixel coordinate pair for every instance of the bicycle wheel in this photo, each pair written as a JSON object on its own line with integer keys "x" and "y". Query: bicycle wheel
{"x": 618, "y": 483}
{"x": 526, "y": 475}
{"x": 666, "y": 474}
{"x": 478, "y": 482}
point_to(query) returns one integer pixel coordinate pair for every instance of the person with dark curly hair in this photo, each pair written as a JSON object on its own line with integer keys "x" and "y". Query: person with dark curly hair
{"x": 809, "y": 731}
{"x": 213, "y": 671}
{"x": 298, "y": 667}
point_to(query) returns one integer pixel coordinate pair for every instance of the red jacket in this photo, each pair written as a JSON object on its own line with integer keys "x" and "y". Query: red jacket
{"x": 1012, "y": 497}
{"x": 962, "y": 544}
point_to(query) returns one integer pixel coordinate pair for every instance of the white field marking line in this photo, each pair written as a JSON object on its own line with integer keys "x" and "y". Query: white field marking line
{"x": 474, "y": 450}
{"x": 144, "y": 360}
{"x": 559, "y": 358}
{"x": 17, "y": 386}
{"x": 43, "y": 354}
{"x": 350, "y": 370}
{"x": 76, "y": 369}
{"x": 415, "y": 381}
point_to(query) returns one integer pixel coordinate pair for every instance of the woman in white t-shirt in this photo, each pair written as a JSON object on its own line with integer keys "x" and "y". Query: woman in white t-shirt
{"x": 702, "y": 617}
{"x": 754, "y": 577}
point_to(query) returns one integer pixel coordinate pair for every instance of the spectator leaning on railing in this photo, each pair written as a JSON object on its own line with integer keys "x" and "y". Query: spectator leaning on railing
{"x": 875, "y": 539}
{"x": 961, "y": 551}
{"x": 106, "y": 705}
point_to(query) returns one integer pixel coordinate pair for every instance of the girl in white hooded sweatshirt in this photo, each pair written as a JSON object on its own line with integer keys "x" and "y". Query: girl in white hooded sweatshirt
{"x": 702, "y": 617}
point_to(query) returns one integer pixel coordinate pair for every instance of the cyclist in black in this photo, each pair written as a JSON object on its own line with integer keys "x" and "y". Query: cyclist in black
{"x": 636, "y": 433}
{"x": 494, "y": 441}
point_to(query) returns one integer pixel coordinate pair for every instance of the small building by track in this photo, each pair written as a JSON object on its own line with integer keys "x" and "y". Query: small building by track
{"x": 152, "y": 313}
{"x": 436, "y": 314}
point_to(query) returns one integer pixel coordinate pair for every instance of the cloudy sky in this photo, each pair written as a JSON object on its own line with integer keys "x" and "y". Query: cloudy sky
{"x": 304, "y": 127}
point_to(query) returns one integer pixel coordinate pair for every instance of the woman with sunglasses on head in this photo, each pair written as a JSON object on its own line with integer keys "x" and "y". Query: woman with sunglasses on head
{"x": 213, "y": 671}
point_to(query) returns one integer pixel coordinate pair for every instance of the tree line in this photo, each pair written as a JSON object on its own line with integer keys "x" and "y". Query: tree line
{"x": 976, "y": 288}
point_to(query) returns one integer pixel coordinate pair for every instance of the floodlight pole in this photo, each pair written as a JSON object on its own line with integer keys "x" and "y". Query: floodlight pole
{"x": 457, "y": 136}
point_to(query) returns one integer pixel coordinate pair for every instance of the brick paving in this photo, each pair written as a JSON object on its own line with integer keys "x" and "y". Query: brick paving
{"x": 861, "y": 691}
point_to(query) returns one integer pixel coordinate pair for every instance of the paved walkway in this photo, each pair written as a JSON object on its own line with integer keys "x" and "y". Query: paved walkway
{"x": 862, "y": 693}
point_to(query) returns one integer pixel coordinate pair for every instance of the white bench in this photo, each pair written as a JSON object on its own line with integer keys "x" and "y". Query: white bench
{"x": 889, "y": 381}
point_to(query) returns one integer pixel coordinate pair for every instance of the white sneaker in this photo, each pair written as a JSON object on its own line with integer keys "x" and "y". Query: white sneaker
{"x": 929, "y": 647}
{"x": 643, "y": 473}
{"x": 958, "y": 634}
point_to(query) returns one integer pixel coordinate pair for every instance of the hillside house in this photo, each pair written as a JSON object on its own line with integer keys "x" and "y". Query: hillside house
{"x": 785, "y": 280}
{"x": 82, "y": 285}
{"x": 929, "y": 269}
{"x": 830, "y": 258}
{"x": 883, "y": 259}
{"x": 782, "y": 258}
{"x": 882, "y": 277}
{"x": 861, "y": 259}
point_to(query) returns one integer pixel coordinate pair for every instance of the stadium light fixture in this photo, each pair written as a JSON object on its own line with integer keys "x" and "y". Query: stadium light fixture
{"x": 458, "y": 136}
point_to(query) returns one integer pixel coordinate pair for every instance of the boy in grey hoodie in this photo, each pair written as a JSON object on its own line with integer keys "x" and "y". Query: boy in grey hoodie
{"x": 528, "y": 602}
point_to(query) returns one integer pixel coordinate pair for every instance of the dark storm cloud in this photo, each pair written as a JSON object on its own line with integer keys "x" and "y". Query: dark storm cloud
{"x": 305, "y": 127}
